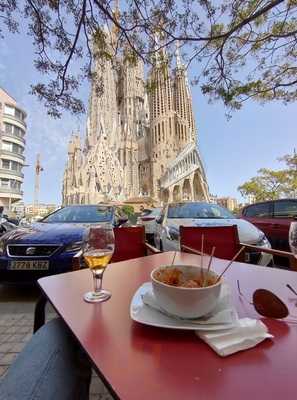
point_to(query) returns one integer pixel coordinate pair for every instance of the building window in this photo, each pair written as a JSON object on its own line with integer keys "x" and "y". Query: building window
{"x": 17, "y": 149}
{"x": 12, "y": 147}
{"x": 8, "y": 128}
{"x": 13, "y": 130}
{"x": 7, "y": 146}
{"x": 15, "y": 184}
{"x": 5, "y": 183}
{"x": 9, "y": 110}
{"x": 6, "y": 164}
{"x": 18, "y": 131}
{"x": 15, "y": 166}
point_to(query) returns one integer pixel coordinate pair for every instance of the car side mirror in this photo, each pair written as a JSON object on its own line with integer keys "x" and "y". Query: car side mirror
{"x": 159, "y": 219}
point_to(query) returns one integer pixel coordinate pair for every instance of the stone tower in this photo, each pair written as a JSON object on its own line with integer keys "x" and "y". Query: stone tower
{"x": 139, "y": 142}
{"x": 162, "y": 121}
{"x": 131, "y": 108}
{"x": 184, "y": 122}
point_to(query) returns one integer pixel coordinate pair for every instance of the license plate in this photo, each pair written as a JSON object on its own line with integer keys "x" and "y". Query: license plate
{"x": 29, "y": 265}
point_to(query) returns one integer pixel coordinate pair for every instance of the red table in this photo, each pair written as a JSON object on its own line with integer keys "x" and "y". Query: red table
{"x": 139, "y": 362}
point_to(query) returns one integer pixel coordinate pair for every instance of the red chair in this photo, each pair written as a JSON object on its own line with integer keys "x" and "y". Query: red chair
{"x": 129, "y": 243}
{"x": 223, "y": 238}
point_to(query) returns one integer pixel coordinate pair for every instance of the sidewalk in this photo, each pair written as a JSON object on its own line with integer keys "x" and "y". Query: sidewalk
{"x": 15, "y": 331}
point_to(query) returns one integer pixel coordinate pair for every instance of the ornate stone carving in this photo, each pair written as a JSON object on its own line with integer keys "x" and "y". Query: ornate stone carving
{"x": 138, "y": 142}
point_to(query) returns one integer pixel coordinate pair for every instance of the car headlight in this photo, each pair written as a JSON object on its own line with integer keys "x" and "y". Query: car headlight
{"x": 263, "y": 241}
{"x": 172, "y": 233}
{"x": 73, "y": 247}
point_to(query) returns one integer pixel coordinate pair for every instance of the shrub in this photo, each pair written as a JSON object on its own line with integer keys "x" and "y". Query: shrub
{"x": 128, "y": 210}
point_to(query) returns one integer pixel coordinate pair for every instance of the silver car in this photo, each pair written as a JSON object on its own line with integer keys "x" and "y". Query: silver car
{"x": 174, "y": 215}
{"x": 148, "y": 219}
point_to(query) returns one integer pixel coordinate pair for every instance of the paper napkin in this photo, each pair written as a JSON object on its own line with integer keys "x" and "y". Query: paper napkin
{"x": 224, "y": 312}
{"x": 246, "y": 334}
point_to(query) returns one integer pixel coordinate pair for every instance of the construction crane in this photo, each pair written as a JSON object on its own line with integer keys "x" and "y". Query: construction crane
{"x": 38, "y": 169}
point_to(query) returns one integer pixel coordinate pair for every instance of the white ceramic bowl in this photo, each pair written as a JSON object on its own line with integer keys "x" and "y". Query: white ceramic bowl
{"x": 182, "y": 301}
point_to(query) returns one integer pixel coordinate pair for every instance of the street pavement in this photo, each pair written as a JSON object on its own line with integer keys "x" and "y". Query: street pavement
{"x": 16, "y": 326}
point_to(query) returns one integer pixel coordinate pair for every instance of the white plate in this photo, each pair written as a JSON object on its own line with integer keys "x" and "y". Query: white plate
{"x": 146, "y": 315}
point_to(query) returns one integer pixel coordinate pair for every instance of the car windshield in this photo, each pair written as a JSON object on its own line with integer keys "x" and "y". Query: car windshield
{"x": 84, "y": 214}
{"x": 155, "y": 212}
{"x": 198, "y": 210}
{"x": 145, "y": 212}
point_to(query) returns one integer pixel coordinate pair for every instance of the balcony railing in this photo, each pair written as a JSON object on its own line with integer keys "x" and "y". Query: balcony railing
{"x": 5, "y": 115}
{"x": 11, "y": 135}
{"x": 10, "y": 190}
{"x": 4, "y": 171}
{"x": 13, "y": 154}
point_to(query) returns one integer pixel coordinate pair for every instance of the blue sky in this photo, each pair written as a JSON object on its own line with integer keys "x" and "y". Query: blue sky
{"x": 232, "y": 150}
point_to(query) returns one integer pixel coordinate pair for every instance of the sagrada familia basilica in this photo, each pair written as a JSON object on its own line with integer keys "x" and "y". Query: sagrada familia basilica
{"x": 139, "y": 143}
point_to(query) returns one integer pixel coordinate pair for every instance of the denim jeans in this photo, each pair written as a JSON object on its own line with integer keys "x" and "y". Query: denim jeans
{"x": 52, "y": 366}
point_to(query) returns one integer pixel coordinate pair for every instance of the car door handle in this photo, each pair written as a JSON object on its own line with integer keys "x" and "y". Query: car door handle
{"x": 276, "y": 226}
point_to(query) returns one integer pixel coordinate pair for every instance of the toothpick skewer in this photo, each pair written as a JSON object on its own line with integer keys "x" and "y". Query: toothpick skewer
{"x": 191, "y": 250}
{"x": 201, "y": 260}
{"x": 292, "y": 290}
{"x": 230, "y": 263}
{"x": 173, "y": 258}
{"x": 194, "y": 251}
{"x": 209, "y": 264}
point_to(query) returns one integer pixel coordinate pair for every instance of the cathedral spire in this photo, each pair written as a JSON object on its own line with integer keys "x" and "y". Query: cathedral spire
{"x": 116, "y": 14}
{"x": 179, "y": 64}
{"x": 116, "y": 11}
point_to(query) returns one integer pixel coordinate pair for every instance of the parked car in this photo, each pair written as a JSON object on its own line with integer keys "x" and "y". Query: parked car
{"x": 174, "y": 215}
{"x": 47, "y": 247}
{"x": 12, "y": 220}
{"x": 6, "y": 226}
{"x": 274, "y": 219}
{"x": 148, "y": 219}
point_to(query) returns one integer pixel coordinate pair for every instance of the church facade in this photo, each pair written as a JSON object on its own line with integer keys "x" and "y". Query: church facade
{"x": 141, "y": 139}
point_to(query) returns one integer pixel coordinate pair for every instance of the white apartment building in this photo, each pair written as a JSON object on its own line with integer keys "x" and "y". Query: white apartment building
{"x": 12, "y": 146}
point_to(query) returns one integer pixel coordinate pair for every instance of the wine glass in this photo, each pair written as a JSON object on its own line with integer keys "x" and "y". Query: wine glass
{"x": 293, "y": 237}
{"x": 98, "y": 248}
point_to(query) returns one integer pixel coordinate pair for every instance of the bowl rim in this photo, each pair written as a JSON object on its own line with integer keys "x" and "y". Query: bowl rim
{"x": 182, "y": 287}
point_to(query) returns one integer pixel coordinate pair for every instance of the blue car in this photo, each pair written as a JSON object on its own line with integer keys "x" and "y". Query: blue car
{"x": 47, "y": 247}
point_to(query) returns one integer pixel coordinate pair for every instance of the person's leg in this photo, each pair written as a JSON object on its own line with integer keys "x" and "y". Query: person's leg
{"x": 52, "y": 366}
{"x": 39, "y": 312}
